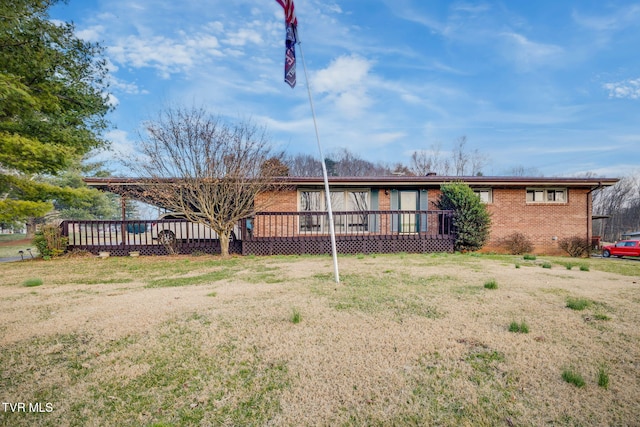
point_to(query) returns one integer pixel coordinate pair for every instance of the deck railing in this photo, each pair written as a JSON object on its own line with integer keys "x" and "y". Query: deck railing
{"x": 299, "y": 225}
{"x": 259, "y": 233}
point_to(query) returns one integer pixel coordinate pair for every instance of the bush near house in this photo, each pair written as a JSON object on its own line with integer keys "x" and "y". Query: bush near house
{"x": 575, "y": 246}
{"x": 50, "y": 241}
{"x": 518, "y": 244}
{"x": 471, "y": 220}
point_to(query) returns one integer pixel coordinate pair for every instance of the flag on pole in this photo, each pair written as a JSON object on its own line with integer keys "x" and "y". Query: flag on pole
{"x": 291, "y": 23}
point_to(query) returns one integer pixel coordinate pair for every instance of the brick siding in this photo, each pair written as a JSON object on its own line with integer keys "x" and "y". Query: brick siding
{"x": 545, "y": 224}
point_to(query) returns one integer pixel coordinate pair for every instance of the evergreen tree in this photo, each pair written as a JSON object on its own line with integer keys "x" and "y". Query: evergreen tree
{"x": 52, "y": 107}
{"x": 471, "y": 220}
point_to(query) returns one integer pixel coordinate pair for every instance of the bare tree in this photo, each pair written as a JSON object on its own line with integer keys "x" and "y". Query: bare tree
{"x": 428, "y": 161}
{"x": 461, "y": 161}
{"x": 341, "y": 162}
{"x": 303, "y": 165}
{"x": 348, "y": 163}
{"x": 522, "y": 171}
{"x": 621, "y": 203}
{"x": 460, "y": 156}
{"x": 206, "y": 168}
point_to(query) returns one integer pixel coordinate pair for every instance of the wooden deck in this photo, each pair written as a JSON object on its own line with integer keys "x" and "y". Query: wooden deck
{"x": 271, "y": 233}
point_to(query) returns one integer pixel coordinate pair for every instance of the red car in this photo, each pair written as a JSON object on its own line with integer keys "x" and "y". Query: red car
{"x": 622, "y": 248}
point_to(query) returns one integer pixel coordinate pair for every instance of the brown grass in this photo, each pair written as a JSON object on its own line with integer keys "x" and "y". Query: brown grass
{"x": 402, "y": 340}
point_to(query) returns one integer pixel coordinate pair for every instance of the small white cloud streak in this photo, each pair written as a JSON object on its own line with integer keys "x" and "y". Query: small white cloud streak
{"x": 629, "y": 89}
{"x": 528, "y": 54}
{"x": 615, "y": 21}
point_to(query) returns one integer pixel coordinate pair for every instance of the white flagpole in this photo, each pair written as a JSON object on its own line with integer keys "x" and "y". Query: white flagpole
{"x": 327, "y": 193}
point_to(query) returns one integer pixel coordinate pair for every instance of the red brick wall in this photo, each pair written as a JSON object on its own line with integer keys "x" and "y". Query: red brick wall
{"x": 285, "y": 200}
{"x": 540, "y": 222}
{"x": 277, "y": 201}
{"x": 544, "y": 224}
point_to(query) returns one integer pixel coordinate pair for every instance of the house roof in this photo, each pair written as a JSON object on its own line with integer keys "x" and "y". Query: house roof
{"x": 436, "y": 181}
{"x": 401, "y": 181}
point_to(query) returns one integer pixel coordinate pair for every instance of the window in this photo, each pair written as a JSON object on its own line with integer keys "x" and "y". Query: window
{"x": 341, "y": 201}
{"x": 485, "y": 195}
{"x": 311, "y": 201}
{"x": 546, "y": 195}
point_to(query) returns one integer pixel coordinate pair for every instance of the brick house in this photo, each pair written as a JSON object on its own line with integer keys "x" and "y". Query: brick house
{"x": 544, "y": 209}
{"x": 374, "y": 214}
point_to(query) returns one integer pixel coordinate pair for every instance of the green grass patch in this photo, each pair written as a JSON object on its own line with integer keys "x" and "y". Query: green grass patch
{"x": 571, "y": 376}
{"x": 578, "y": 304}
{"x": 399, "y": 293}
{"x": 529, "y": 257}
{"x": 170, "y": 376}
{"x": 546, "y": 264}
{"x": 491, "y": 284}
{"x": 4, "y": 238}
{"x": 263, "y": 277}
{"x": 584, "y": 267}
{"x": 190, "y": 280}
{"x": 521, "y": 328}
{"x": 484, "y": 362}
{"x": 603, "y": 377}
{"x": 32, "y": 282}
{"x": 295, "y": 317}
{"x": 101, "y": 281}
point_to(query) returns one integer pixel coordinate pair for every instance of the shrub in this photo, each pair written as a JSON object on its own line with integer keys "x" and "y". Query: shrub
{"x": 578, "y": 303}
{"x": 603, "y": 377}
{"x": 32, "y": 282}
{"x": 491, "y": 284}
{"x": 575, "y": 246}
{"x": 518, "y": 244}
{"x": 546, "y": 265}
{"x": 296, "y": 317}
{"x": 471, "y": 220}
{"x": 573, "y": 377}
{"x": 521, "y": 327}
{"x": 50, "y": 241}
{"x": 529, "y": 257}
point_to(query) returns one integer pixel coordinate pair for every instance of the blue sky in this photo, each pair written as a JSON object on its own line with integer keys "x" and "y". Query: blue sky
{"x": 552, "y": 86}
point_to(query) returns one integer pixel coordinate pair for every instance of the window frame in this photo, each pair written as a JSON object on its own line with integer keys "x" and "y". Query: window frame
{"x": 489, "y": 192}
{"x": 546, "y": 192}
{"x": 339, "y": 222}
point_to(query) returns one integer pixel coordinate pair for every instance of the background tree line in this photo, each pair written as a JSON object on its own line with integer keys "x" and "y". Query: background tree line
{"x": 621, "y": 203}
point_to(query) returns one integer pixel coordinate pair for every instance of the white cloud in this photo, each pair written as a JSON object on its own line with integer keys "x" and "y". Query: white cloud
{"x": 345, "y": 82}
{"x": 615, "y": 21}
{"x": 243, "y": 36}
{"x": 166, "y": 55}
{"x": 387, "y": 137}
{"x": 341, "y": 74}
{"x": 528, "y": 54}
{"x": 126, "y": 87}
{"x": 625, "y": 89}
{"x": 91, "y": 34}
{"x": 112, "y": 100}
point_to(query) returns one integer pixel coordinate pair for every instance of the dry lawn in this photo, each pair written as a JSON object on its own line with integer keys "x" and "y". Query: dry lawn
{"x": 402, "y": 340}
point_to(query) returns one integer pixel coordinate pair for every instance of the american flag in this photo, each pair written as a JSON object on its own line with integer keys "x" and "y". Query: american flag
{"x": 291, "y": 23}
